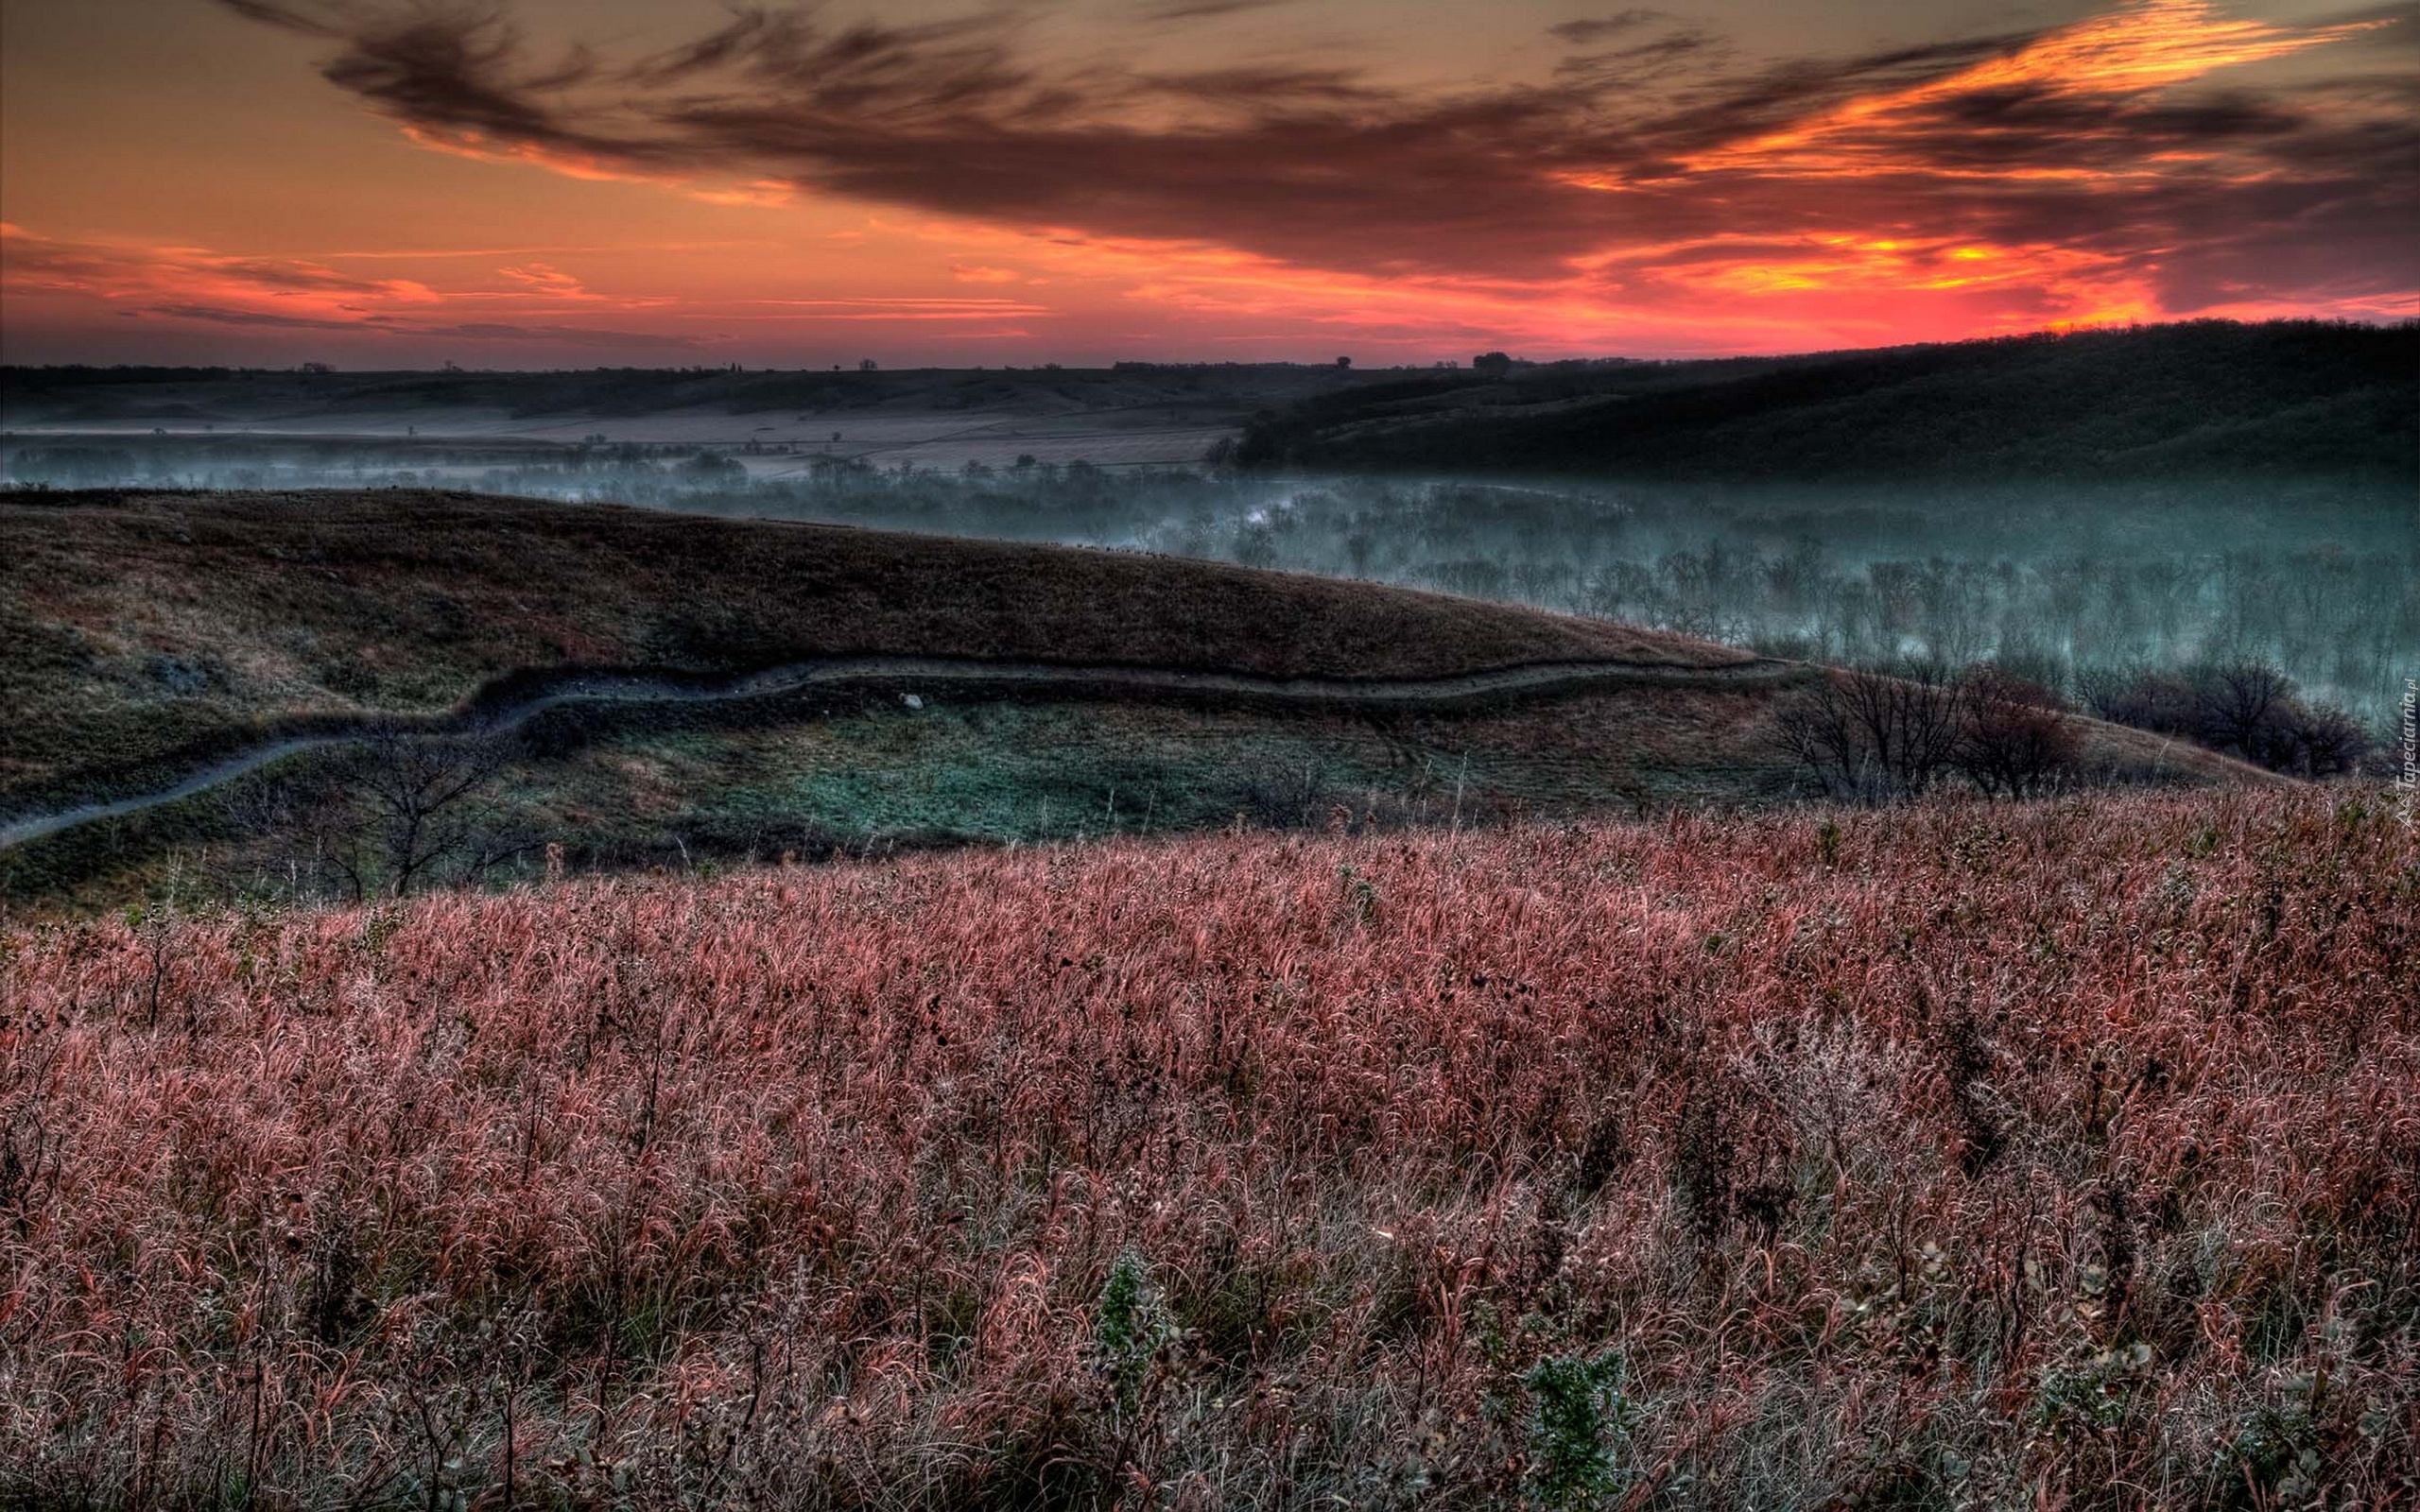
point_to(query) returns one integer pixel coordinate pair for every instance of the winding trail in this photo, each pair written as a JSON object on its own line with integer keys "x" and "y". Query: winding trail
{"x": 484, "y": 714}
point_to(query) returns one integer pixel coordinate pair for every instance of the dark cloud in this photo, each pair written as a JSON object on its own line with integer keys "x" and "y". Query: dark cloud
{"x": 223, "y": 314}
{"x": 1174, "y": 11}
{"x": 466, "y": 71}
{"x": 2039, "y": 127}
{"x": 1725, "y": 109}
{"x": 392, "y": 325}
{"x": 1632, "y": 144}
{"x": 1597, "y": 28}
{"x": 285, "y": 17}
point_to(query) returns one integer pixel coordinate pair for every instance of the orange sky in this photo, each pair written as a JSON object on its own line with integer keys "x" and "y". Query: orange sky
{"x": 576, "y": 183}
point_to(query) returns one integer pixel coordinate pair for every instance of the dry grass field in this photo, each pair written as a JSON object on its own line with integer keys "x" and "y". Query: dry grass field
{"x": 2060, "y": 1154}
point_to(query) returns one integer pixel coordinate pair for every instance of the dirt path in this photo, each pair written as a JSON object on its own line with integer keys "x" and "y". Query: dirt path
{"x": 479, "y": 715}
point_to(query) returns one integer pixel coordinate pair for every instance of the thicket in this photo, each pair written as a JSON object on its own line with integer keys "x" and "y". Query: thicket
{"x": 1875, "y": 734}
{"x": 2245, "y": 709}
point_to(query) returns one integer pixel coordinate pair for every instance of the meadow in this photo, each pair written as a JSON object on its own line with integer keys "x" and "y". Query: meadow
{"x": 2063, "y": 1153}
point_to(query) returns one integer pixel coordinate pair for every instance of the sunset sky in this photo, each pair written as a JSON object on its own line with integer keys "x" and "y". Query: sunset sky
{"x": 660, "y": 182}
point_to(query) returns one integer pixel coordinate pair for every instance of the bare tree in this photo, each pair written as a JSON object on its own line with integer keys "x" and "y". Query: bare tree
{"x": 1814, "y": 729}
{"x": 2017, "y": 737}
{"x": 2163, "y": 703}
{"x": 1874, "y": 735}
{"x": 2316, "y": 740}
{"x": 2236, "y": 701}
{"x": 423, "y": 815}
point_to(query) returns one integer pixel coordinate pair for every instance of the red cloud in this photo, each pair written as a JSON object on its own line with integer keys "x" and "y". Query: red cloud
{"x": 1653, "y": 183}
{"x": 185, "y": 283}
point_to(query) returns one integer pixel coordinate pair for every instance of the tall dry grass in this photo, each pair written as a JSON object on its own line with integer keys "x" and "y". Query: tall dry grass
{"x": 1958, "y": 1155}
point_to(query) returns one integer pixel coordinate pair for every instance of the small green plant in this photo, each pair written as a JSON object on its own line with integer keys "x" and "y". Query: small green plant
{"x": 2095, "y": 1395}
{"x": 1582, "y": 1423}
{"x": 1130, "y": 1325}
{"x": 2276, "y": 1458}
{"x": 1828, "y": 843}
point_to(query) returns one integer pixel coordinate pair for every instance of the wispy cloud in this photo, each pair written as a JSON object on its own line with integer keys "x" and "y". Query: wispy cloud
{"x": 1590, "y": 30}
{"x": 573, "y": 335}
{"x": 221, "y": 314}
{"x": 913, "y": 308}
{"x": 2077, "y": 172}
{"x": 1177, "y": 11}
{"x": 548, "y": 280}
{"x": 185, "y": 283}
{"x": 110, "y": 270}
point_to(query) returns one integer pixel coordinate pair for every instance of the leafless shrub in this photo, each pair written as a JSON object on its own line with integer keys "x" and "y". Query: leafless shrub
{"x": 407, "y": 810}
{"x": 2315, "y": 739}
{"x": 1873, "y": 735}
{"x": 2245, "y": 709}
{"x": 1290, "y": 794}
{"x": 2016, "y": 739}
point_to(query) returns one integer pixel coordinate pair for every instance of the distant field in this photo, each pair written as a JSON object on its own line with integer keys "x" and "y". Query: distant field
{"x": 1952, "y": 1155}
{"x": 943, "y": 419}
{"x": 2086, "y": 508}
{"x": 463, "y": 442}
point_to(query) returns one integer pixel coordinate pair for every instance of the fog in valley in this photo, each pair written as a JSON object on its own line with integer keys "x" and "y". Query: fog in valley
{"x": 2086, "y": 588}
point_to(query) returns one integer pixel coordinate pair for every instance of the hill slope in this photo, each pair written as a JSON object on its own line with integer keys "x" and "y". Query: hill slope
{"x": 137, "y": 624}
{"x": 202, "y": 687}
{"x": 2209, "y": 398}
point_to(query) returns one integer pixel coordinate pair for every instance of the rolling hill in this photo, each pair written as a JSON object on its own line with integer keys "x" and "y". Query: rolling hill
{"x": 190, "y": 674}
{"x": 2209, "y": 398}
{"x": 139, "y": 623}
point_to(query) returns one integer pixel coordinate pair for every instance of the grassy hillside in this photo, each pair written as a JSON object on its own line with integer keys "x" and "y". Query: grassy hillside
{"x": 2205, "y": 398}
{"x": 151, "y": 636}
{"x": 1943, "y": 1156}
{"x": 142, "y": 624}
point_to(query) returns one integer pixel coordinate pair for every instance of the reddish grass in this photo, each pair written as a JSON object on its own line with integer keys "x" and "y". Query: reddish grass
{"x": 1958, "y": 1155}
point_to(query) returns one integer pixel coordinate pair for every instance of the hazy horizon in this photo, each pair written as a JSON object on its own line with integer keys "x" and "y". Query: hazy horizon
{"x": 1107, "y": 364}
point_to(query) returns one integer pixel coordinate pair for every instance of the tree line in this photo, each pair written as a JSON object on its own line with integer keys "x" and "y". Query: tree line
{"x": 1878, "y": 735}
